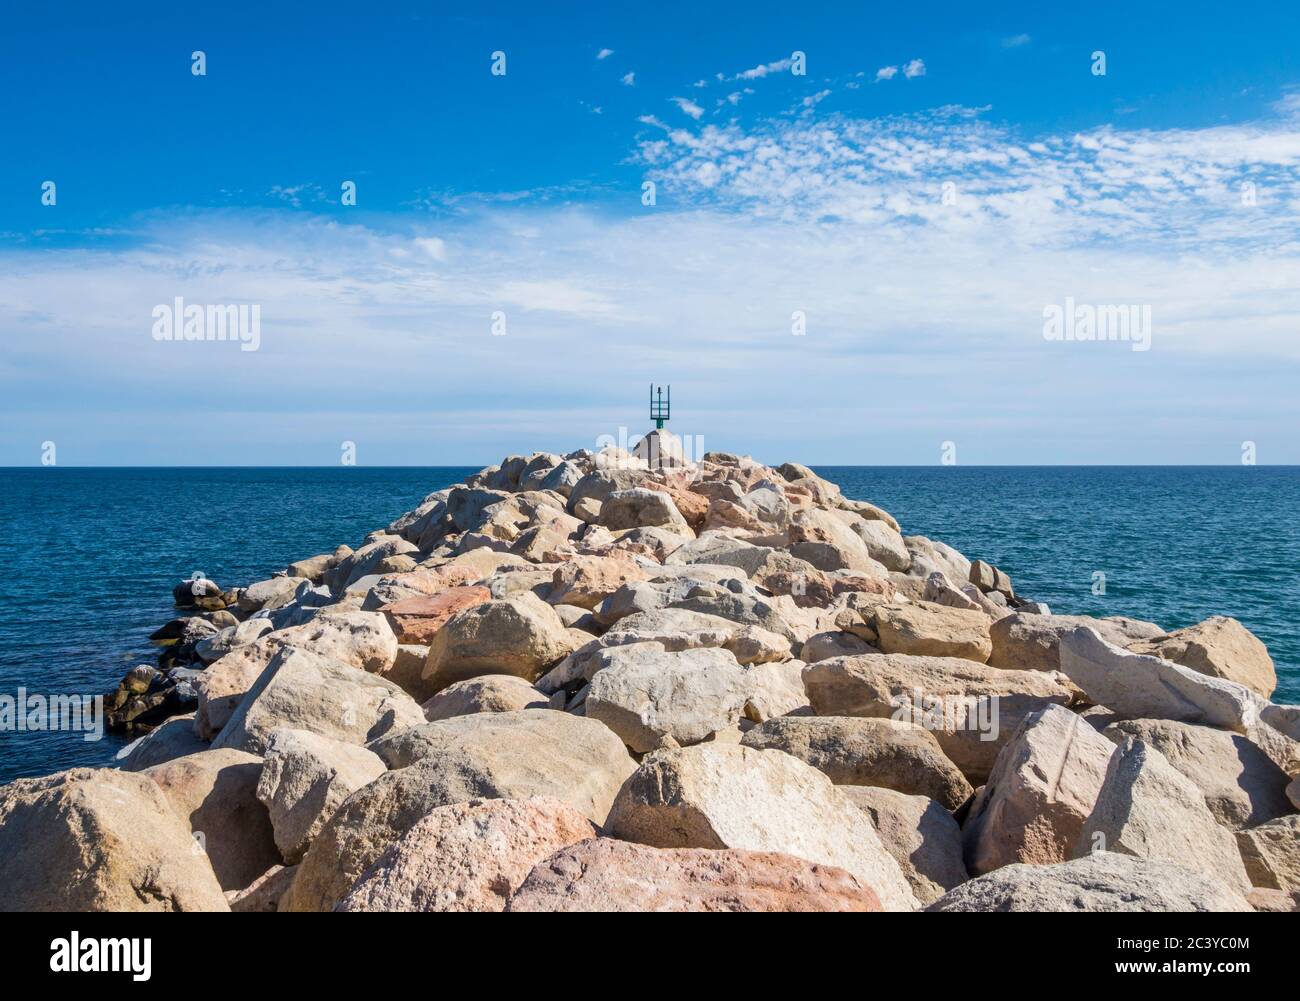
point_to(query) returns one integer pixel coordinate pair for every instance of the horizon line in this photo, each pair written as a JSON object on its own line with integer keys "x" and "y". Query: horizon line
{"x": 813, "y": 465}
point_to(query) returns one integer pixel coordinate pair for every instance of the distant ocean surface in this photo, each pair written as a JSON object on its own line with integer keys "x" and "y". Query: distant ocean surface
{"x": 88, "y": 557}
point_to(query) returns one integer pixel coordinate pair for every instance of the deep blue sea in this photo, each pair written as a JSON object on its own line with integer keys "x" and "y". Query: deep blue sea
{"x": 88, "y": 557}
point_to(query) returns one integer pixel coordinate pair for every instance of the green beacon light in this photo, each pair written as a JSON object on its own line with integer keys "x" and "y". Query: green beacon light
{"x": 660, "y": 405}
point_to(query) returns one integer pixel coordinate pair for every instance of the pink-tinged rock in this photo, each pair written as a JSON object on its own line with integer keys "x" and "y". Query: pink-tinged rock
{"x": 415, "y": 620}
{"x": 467, "y": 856}
{"x": 609, "y": 875}
{"x": 586, "y": 581}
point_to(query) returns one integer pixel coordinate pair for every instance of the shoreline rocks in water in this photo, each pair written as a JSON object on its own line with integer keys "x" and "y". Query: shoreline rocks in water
{"x": 586, "y": 682}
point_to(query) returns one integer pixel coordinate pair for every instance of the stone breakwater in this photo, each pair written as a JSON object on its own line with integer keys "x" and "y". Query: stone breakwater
{"x": 620, "y": 681}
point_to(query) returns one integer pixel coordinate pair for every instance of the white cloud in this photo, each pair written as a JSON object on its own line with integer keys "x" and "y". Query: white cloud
{"x": 628, "y": 79}
{"x": 604, "y": 53}
{"x": 907, "y": 298}
{"x": 688, "y": 107}
{"x": 1016, "y": 41}
{"x": 764, "y": 69}
{"x": 812, "y": 100}
{"x": 434, "y": 247}
{"x": 914, "y": 69}
{"x": 886, "y": 73}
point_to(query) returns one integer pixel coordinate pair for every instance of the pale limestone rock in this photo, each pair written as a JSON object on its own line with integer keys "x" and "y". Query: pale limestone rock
{"x": 867, "y": 752}
{"x": 488, "y": 693}
{"x": 920, "y": 834}
{"x": 1146, "y": 808}
{"x": 303, "y": 691}
{"x": 304, "y": 779}
{"x": 1140, "y": 686}
{"x": 1102, "y": 882}
{"x": 215, "y": 793}
{"x": 971, "y": 709}
{"x": 536, "y": 752}
{"x": 727, "y": 796}
{"x": 99, "y": 839}
{"x": 1220, "y": 647}
{"x": 777, "y": 691}
{"x": 520, "y": 635}
{"x": 1026, "y": 642}
{"x": 648, "y": 695}
{"x": 925, "y": 629}
{"x": 1043, "y": 787}
{"x": 1271, "y": 853}
{"x": 1241, "y": 784}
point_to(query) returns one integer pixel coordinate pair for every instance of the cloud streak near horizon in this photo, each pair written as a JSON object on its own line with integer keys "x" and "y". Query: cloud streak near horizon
{"x": 922, "y": 250}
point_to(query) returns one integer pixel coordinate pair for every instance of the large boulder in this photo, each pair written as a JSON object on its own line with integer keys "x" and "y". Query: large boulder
{"x": 649, "y": 696}
{"x": 1140, "y": 686}
{"x": 1024, "y": 641}
{"x": 720, "y": 550}
{"x": 1220, "y": 647}
{"x": 174, "y": 738}
{"x": 607, "y": 875}
{"x": 971, "y": 709}
{"x": 215, "y": 792}
{"x": 921, "y": 835}
{"x": 304, "y": 779}
{"x": 519, "y": 635}
{"x": 363, "y": 640}
{"x": 467, "y": 856}
{"x": 727, "y": 796}
{"x": 268, "y": 594}
{"x": 1043, "y": 787}
{"x": 1241, "y": 784}
{"x": 303, "y": 691}
{"x": 829, "y": 543}
{"x": 1146, "y": 808}
{"x": 883, "y": 542}
{"x": 777, "y": 691}
{"x": 466, "y": 505}
{"x": 639, "y": 508}
{"x": 98, "y": 839}
{"x": 489, "y": 693}
{"x": 416, "y": 619}
{"x": 867, "y": 752}
{"x": 586, "y": 581}
{"x": 926, "y": 629}
{"x": 1103, "y": 882}
{"x": 1271, "y": 853}
{"x": 537, "y": 752}
{"x": 684, "y": 629}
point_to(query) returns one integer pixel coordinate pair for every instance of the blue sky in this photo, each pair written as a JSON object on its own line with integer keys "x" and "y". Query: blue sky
{"x": 931, "y": 183}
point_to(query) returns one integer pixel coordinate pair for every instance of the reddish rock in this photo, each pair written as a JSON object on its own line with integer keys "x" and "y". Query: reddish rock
{"x": 415, "y": 620}
{"x": 609, "y": 875}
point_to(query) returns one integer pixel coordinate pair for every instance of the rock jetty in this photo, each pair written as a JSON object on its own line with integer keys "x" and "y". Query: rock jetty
{"x": 621, "y": 681}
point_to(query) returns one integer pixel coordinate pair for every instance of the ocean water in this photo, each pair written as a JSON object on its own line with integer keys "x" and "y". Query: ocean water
{"x": 88, "y": 557}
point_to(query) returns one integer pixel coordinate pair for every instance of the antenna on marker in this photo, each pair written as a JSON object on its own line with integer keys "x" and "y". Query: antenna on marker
{"x": 659, "y": 405}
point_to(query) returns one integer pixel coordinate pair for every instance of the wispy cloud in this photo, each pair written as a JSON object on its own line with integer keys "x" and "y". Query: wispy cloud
{"x": 841, "y": 218}
{"x": 604, "y": 53}
{"x": 628, "y": 79}
{"x": 914, "y": 69}
{"x": 1016, "y": 41}
{"x": 688, "y": 107}
{"x": 762, "y": 70}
